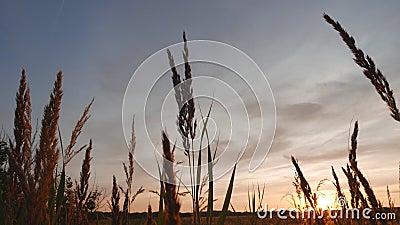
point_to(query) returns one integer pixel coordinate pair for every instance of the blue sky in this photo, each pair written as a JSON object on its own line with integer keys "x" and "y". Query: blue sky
{"x": 318, "y": 90}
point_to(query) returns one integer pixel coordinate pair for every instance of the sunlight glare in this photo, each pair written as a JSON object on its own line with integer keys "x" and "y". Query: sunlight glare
{"x": 324, "y": 202}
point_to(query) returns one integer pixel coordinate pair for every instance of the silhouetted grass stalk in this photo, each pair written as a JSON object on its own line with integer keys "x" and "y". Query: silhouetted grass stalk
{"x": 370, "y": 71}
{"x": 35, "y": 192}
{"x": 186, "y": 122}
{"x": 172, "y": 204}
{"x": 306, "y": 189}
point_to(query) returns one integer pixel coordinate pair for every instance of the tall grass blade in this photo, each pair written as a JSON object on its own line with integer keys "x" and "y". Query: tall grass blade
{"x": 197, "y": 190}
{"x": 149, "y": 220}
{"x": 160, "y": 217}
{"x": 210, "y": 206}
{"x": 228, "y": 196}
{"x": 210, "y": 162}
{"x": 60, "y": 194}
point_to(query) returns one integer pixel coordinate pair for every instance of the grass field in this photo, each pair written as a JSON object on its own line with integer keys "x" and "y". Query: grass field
{"x": 36, "y": 189}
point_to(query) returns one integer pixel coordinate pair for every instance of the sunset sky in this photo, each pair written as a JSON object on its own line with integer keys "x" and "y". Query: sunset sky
{"x": 317, "y": 88}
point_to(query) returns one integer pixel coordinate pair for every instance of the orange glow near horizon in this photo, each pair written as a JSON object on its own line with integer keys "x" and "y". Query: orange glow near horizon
{"x": 325, "y": 202}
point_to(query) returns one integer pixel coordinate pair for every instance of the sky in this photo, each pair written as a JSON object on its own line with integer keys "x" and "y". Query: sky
{"x": 317, "y": 89}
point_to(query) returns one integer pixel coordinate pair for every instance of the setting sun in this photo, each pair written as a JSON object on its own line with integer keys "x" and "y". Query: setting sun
{"x": 324, "y": 202}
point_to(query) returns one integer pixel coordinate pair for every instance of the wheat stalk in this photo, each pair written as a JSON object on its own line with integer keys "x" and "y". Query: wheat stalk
{"x": 129, "y": 170}
{"x": 35, "y": 186}
{"x": 184, "y": 98}
{"x": 306, "y": 189}
{"x": 82, "y": 193}
{"x": 353, "y": 164}
{"x": 370, "y": 71}
{"x": 338, "y": 188}
{"x": 390, "y": 200}
{"x": 149, "y": 220}
{"x": 115, "y": 212}
{"x": 35, "y": 191}
{"x": 172, "y": 204}
{"x": 354, "y": 185}
{"x": 69, "y": 152}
